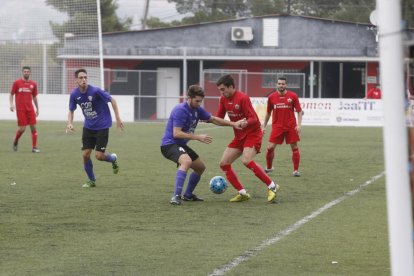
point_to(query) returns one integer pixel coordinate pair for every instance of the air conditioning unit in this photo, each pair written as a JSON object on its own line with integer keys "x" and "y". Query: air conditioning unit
{"x": 241, "y": 34}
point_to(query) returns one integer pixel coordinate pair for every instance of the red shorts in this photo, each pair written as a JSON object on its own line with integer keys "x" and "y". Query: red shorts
{"x": 277, "y": 136}
{"x": 251, "y": 140}
{"x": 26, "y": 117}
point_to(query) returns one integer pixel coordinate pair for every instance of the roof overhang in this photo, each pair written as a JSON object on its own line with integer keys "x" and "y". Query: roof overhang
{"x": 245, "y": 58}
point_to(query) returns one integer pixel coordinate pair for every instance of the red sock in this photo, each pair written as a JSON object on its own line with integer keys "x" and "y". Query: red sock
{"x": 232, "y": 177}
{"x": 295, "y": 159}
{"x": 259, "y": 172}
{"x": 17, "y": 137}
{"x": 34, "y": 139}
{"x": 270, "y": 155}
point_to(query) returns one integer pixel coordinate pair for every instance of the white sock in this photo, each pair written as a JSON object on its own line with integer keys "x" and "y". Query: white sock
{"x": 272, "y": 185}
{"x": 242, "y": 192}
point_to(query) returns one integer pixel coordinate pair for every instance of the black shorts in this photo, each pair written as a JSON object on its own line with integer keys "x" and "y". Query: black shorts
{"x": 95, "y": 139}
{"x": 174, "y": 151}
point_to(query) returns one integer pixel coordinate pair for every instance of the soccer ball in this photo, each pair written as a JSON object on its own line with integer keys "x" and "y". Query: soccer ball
{"x": 218, "y": 185}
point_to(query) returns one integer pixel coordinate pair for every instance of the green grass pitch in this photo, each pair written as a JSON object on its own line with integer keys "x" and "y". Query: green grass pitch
{"x": 49, "y": 225}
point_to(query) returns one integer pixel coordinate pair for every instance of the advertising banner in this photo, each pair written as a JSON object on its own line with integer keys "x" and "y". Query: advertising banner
{"x": 333, "y": 112}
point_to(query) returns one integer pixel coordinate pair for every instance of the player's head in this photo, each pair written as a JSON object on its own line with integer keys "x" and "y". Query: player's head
{"x": 225, "y": 85}
{"x": 281, "y": 84}
{"x": 195, "y": 96}
{"x": 26, "y": 72}
{"x": 81, "y": 78}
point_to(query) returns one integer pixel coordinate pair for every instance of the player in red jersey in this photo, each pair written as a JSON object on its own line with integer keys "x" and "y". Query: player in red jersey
{"x": 283, "y": 103}
{"x": 246, "y": 142}
{"x": 25, "y": 91}
{"x": 374, "y": 93}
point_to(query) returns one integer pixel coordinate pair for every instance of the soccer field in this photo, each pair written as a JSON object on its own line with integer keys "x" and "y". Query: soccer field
{"x": 330, "y": 221}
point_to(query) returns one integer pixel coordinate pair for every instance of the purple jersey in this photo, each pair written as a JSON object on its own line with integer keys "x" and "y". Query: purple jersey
{"x": 185, "y": 117}
{"x": 94, "y": 105}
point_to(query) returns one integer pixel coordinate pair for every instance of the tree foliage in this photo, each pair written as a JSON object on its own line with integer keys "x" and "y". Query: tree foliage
{"x": 212, "y": 10}
{"x": 82, "y": 18}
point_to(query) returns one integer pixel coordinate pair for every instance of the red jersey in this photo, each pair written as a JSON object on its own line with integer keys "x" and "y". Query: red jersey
{"x": 374, "y": 93}
{"x": 239, "y": 107}
{"x": 283, "y": 108}
{"x": 24, "y": 91}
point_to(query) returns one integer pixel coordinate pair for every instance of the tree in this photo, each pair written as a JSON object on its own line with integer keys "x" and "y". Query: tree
{"x": 348, "y": 10}
{"x": 81, "y": 15}
{"x": 230, "y": 8}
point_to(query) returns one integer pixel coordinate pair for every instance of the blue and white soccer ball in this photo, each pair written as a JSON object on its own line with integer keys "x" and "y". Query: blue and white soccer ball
{"x": 218, "y": 185}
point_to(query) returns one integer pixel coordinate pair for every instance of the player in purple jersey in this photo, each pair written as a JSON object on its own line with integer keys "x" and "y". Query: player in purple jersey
{"x": 180, "y": 129}
{"x": 94, "y": 104}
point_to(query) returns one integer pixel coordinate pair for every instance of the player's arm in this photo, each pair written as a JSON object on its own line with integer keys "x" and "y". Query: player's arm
{"x": 268, "y": 114}
{"x": 223, "y": 122}
{"x": 299, "y": 125}
{"x": 69, "y": 127}
{"x": 119, "y": 123}
{"x": 266, "y": 119}
{"x": 36, "y": 105}
{"x": 249, "y": 112}
{"x": 178, "y": 133}
{"x": 12, "y": 107}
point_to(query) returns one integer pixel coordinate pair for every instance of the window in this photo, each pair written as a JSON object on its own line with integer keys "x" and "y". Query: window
{"x": 293, "y": 77}
{"x": 120, "y": 75}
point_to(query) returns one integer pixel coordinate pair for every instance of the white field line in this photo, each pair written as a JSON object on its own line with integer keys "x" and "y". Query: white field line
{"x": 285, "y": 232}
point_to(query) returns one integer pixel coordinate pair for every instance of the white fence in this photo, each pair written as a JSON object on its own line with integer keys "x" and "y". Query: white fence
{"x": 56, "y": 107}
{"x": 318, "y": 112}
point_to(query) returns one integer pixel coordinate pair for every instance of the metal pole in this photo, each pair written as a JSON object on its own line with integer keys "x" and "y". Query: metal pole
{"x": 400, "y": 218}
{"x": 341, "y": 80}
{"x": 311, "y": 82}
{"x": 184, "y": 71}
{"x": 44, "y": 68}
{"x": 144, "y": 21}
{"x": 101, "y": 65}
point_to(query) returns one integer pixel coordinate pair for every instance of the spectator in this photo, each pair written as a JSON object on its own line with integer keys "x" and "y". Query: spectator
{"x": 374, "y": 93}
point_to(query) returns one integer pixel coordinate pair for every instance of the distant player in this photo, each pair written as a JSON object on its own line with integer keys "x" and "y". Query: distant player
{"x": 283, "y": 104}
{"x": 94, "y": 104}
{"x": 179, "y": 130}
{"x": 246, "y": 142}
{"x": 374, "y": 93}
{"x": 25, "y": 91}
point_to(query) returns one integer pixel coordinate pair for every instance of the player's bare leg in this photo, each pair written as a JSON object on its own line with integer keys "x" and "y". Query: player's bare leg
{"x": 35, "y": 149}
{"x": 19, "y": 133}
{"x": 270, "y": 155}
{"x": 295, "y": 159}
{"x": 198, "y": 169}
{"x": 248, "y": 160}
{"x": 88, "y": 166}
{"x": 228, "y": 157}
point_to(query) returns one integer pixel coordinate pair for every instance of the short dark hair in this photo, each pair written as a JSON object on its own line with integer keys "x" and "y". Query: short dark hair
{"x": 194, "y": 91}
{"x": 26, "y": 68}
{"x": 80, "y": 71}
{"x": 226, "y": 80}
{"x": 282, "y": 78}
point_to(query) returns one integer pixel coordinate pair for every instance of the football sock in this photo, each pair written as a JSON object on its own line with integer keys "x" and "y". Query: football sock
{"x": 270, "y": 155}
{"x": 179, "y": 182}
{"x": 272, "y": 185}
{"x": 232, "y": 177}
{"x": 17, "y": 137}
{"x": 109, "y": 158}
{"x": 89, "y": 169}
{"x": 259, "y": 172}
{"x": 34, "y": 139}
{"x": 192, "y": 183}
{"x": 295, "y": 159}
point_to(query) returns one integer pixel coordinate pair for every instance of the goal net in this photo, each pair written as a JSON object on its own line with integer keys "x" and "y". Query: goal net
{"x": 54, "y": 38}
